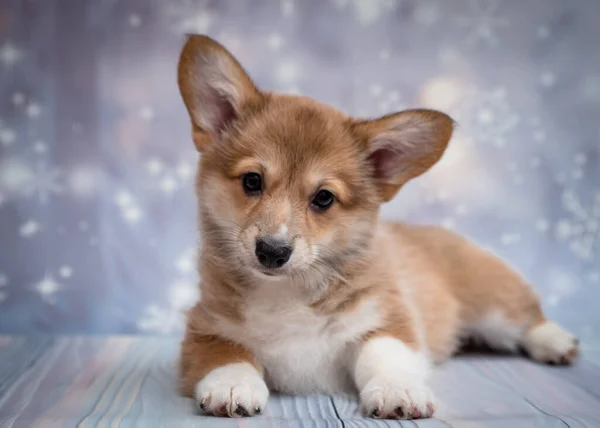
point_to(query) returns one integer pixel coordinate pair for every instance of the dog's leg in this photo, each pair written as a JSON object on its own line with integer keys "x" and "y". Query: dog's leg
{"x": 390, "y": 372}
{"x": 514, "y": 320}
{"x": 221, "y": 376}
{"x": 391, "y": 377}
{"x": 497, "y": 306}
{"x": 549, "y": 343}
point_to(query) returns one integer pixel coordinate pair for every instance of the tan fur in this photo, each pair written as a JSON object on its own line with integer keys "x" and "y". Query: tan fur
{"x": 202, "y": 352}
{"x": 422, "y": 285}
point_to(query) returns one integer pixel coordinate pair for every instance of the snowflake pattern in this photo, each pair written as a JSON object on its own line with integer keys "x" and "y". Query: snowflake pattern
{"x": 581, "y": 229}
{"x": 44, "y": 183}
{"x": 97, "y": 181}
{"x": 368, "y": 11}
{"x": 47, "y": 288}
{"x": 169, "y": 319}
{"x": 482, "y": 22}
{"x": 189, "y": 16}
{"x": 9, "y": 54}
{"x": 7, "y": 135}
{"x": 488, "y": 116}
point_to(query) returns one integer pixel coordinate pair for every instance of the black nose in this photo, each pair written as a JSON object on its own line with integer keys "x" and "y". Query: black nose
{"x": 272, "y": 254}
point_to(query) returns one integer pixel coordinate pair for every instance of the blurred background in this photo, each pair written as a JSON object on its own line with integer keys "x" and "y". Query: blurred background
{"x": 97, "y": 210}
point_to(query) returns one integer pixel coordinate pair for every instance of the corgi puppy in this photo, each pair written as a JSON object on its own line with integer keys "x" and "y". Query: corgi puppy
{"x": 303, "y": 288}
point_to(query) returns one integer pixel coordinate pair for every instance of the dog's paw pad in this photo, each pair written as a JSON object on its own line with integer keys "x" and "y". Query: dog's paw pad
{"x": 234, "y": 390}
{"x": 389, "y": 399}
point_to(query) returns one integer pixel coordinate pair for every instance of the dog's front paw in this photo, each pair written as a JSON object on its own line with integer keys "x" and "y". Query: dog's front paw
{"x": 396, "y": 398}
{"x": 234, "y": 390}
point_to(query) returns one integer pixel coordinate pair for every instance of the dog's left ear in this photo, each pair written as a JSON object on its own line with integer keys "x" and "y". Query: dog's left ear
{"x": 214, "y": 87}
{"x": 404, "y": 145}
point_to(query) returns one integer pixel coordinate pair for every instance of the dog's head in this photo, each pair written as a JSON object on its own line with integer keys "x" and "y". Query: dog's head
{"x": 288, "y": 185}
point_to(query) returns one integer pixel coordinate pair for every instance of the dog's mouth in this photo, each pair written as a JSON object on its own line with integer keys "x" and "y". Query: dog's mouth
{"x": 270, "y": 273}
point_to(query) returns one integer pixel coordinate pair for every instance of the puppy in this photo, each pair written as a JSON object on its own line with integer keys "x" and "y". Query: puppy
{"x": 304, "y": 288}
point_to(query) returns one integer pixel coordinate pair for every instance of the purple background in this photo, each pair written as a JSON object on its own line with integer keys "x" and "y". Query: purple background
{"x": 97, "y": 211}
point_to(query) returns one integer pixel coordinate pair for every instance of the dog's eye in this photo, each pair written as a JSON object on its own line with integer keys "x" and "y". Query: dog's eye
{"x": 322, "y": 200}
{"x": 252, "y": 183}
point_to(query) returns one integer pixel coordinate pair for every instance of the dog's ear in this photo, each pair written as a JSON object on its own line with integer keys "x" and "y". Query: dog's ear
{"x": 404, "y": 145}
{"x": 214, "y": 87}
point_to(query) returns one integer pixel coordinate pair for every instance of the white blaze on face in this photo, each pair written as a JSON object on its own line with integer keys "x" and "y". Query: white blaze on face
{"x": 283, "y": 231}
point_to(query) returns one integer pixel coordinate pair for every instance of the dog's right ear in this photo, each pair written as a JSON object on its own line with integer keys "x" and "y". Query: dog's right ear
{"x": 214, "y": 88}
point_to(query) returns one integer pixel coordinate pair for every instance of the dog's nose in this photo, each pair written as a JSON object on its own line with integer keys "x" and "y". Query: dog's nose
{"x": 272, "y": 254}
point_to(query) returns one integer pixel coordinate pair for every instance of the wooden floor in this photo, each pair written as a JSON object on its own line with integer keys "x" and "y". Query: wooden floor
{"x": 131, "y": 382}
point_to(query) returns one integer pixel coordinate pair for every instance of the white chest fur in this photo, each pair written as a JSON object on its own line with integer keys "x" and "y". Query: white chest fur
{"x": 301, "y": 351}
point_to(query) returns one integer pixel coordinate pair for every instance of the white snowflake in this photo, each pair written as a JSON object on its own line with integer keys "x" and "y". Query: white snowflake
{"x": 3, "y": 295}
{"x": 9, "y": 54}
{"x": 547, "y": 79}
{"x": 184, "y": 171}
{"x": 7, "y": 135}
{"x": 581, "y": 229}
{"x": 170, "y": 319}
{"x": 146, "y": 113}
{"x": 154, "y": 166}
{"x": 33, "y": 110}
{"x": 47, "y": 288}
{"x": 275, "y": 41}
{"x": 168, "y": 185}
{"x": 160, "y": 320}
{"x": 183, "y": 295}
{"x": 130, "y": 210}
{"x": 40, "y": 147}
{"x": 543, "y": 32}
{"x": 65, "y": 271}
{"x": 168, "y": 179}
{"x": 482, "y": 23}
{"x": 135, "y": 20}
{"x": 85, "y": 180}
{"x": 29, "y": 228}
{"x": 189, "y": 16}
{"x": 132, "y": 214}
{"x": 185, "y": 263}
{"x": 488, "y": 116}
{"x": 14, "y": 175}
{"x": 123, "y": 198}
{"x": 367, "y": 12}
{"x": 44, "y": 182}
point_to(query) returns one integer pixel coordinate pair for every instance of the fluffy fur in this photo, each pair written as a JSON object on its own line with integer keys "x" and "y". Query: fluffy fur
{"x": 361, "y": 305}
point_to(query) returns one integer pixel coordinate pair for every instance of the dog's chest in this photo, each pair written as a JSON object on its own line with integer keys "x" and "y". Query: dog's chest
{"x": 303, "y": 351}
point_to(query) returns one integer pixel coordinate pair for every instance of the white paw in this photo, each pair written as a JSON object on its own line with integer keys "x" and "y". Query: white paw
{"x": 550, "y": 343}
{"x": 395, "y": 397}
{"x": 233, "y": 390}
